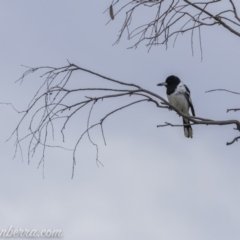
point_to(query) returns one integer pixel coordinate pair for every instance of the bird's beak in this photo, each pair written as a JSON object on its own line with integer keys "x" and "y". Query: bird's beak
{"x": 162, "y": 84}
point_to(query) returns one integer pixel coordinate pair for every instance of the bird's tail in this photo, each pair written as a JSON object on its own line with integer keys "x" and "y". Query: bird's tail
{"x": 188, "y": 132}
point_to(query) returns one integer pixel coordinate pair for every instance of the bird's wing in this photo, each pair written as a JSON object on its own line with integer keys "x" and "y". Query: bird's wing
{"x": 187, "y": 95}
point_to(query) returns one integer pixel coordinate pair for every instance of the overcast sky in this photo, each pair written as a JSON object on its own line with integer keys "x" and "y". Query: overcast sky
{"x": 155, "y": 183}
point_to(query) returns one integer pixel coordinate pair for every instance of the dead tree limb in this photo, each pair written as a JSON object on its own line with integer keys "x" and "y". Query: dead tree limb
{"x": 169, "y": 19}
{"x": 50, "y": 104}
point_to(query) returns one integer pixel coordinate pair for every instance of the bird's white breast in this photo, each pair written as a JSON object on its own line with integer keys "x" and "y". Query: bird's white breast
{"x": 178, "y": 99}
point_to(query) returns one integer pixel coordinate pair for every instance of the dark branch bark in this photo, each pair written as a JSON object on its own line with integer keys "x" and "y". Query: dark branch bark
{"x": 224, "y": 90}
{"x": 50, "y": 104}
{"x": 174, "y": 17}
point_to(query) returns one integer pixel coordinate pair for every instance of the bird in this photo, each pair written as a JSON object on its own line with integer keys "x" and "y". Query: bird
{"x": 178, "y": 96}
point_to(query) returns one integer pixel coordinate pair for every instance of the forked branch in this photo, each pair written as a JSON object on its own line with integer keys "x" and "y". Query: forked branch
{"x": 54, "y": 102}
{"x": 166, "y": 19}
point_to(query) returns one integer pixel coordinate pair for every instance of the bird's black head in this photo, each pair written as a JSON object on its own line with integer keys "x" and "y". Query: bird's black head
{"x": 170, "y": 83}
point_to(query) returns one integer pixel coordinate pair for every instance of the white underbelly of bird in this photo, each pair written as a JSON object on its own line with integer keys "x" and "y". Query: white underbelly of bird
{"x": 180, "y": 102}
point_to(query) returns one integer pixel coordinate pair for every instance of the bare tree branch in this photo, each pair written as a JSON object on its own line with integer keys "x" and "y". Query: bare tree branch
{"x": 233, "y": 109}
{"x": 233, "y": 141}
{"x": 170, "y": 18}
{"x": 51, "y": 104}
{"x": 174, "y": 125}
{"x": 213, "y": 90}
{"x": 234, "y": 10}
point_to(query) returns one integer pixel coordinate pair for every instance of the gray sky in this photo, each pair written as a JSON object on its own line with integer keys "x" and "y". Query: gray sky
{"x": 155, "y": 183}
